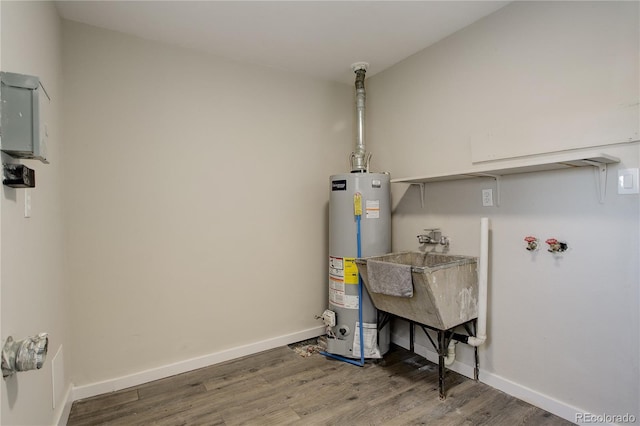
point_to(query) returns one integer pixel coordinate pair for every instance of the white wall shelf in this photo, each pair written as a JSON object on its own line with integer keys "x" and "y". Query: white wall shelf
{"x": 496, "y": 169}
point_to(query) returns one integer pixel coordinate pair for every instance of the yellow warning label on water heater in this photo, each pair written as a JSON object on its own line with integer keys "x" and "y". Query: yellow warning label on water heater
{"x": 350, "y": 271}
{"x": 357, "y": 204}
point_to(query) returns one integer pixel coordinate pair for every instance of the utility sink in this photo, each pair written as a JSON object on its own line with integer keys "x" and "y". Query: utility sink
{"x": 445, "y": 288}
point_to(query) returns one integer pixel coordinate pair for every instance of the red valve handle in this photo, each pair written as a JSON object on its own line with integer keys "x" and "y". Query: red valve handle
{"x": 530, "y": 239}
{"x": 551, "y": 241}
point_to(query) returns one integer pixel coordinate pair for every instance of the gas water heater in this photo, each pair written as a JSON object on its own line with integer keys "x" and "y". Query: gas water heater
{"x": 359, "y": 226}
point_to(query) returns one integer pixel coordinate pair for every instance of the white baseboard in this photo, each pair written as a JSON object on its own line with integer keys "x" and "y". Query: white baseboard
{"x": 516, "y": 390}
{"x": 62, "y": 413}
{"x": 123, "y": 382}
{"x": 547, "y": 403}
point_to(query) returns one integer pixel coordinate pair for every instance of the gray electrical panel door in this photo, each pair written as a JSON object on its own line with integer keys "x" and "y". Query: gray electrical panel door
{"x": 20, "y": 116}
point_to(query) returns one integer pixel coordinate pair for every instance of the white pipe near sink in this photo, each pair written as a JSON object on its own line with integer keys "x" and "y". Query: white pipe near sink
{"x": 481, "y": 332}
{"x": 451, "y": 353}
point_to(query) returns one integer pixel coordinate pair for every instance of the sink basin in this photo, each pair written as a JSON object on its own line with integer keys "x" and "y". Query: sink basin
{"x": 445, "y": 288}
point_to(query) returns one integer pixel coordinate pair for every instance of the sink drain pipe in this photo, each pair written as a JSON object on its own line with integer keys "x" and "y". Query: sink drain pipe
{"x": 451, "y": 353}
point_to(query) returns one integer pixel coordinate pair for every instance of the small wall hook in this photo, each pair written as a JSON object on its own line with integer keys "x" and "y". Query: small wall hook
{"x": 556, "y": 246}
{"x": 532, "y": 243}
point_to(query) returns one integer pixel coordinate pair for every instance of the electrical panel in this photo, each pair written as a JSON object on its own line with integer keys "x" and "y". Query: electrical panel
{"x": 21, "y": 135}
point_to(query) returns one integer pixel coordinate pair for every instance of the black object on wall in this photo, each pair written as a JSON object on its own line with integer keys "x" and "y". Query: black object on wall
{"x": 19, "y": 176}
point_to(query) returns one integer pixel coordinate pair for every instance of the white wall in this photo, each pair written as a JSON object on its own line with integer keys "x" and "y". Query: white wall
{"x": 563, "y": 332}
{"x": 564, "y": 77}
{"x": 34, "y": 289}
{"x": 196, "y": 195}
{"x": 193, "y": 184}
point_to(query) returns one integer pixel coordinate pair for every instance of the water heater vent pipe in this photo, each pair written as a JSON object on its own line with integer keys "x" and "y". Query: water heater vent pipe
{"x": 359, "y": 158}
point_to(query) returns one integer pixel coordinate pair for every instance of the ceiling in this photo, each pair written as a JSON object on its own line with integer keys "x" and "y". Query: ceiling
{"x": 317, "y": 38}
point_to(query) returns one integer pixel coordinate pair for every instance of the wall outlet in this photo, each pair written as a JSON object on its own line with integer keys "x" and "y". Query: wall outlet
{"x": 487, "y": 197}
{"x": 628, "y": 181}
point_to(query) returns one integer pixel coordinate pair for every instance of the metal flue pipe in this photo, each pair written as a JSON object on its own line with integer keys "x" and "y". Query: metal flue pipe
{"x": 359, "y": 158}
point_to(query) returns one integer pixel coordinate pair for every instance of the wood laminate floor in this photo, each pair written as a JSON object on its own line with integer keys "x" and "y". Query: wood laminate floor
{"x": 279, "y": 387}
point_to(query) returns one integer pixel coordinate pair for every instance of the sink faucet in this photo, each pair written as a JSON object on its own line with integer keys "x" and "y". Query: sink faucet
{"x": 433, "y": 236}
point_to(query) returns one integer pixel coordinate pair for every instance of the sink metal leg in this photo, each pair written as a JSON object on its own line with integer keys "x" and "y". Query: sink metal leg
{"x": 471, "y": 328}
{"x": 476, "y": 368}
{"x": 412, "y": 335}
{"x": 444, "y": 337}
{"x": 441, "y": 349}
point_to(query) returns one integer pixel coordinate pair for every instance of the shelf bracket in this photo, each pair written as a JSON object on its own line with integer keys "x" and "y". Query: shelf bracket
{"x": 421, "y": 186}
{"x": 601, "y": 170}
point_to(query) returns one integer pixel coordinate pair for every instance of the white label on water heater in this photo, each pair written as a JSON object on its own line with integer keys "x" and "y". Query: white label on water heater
{"x": 341, "y": 300}
{"x": 342, "y": 272}
{"x": 373, "y": 209}
{"x": 336, "y": 297}
{"x": 335, "y": 263}
{"x": 350, "y": 302}
{"x": 370, "y": 333}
